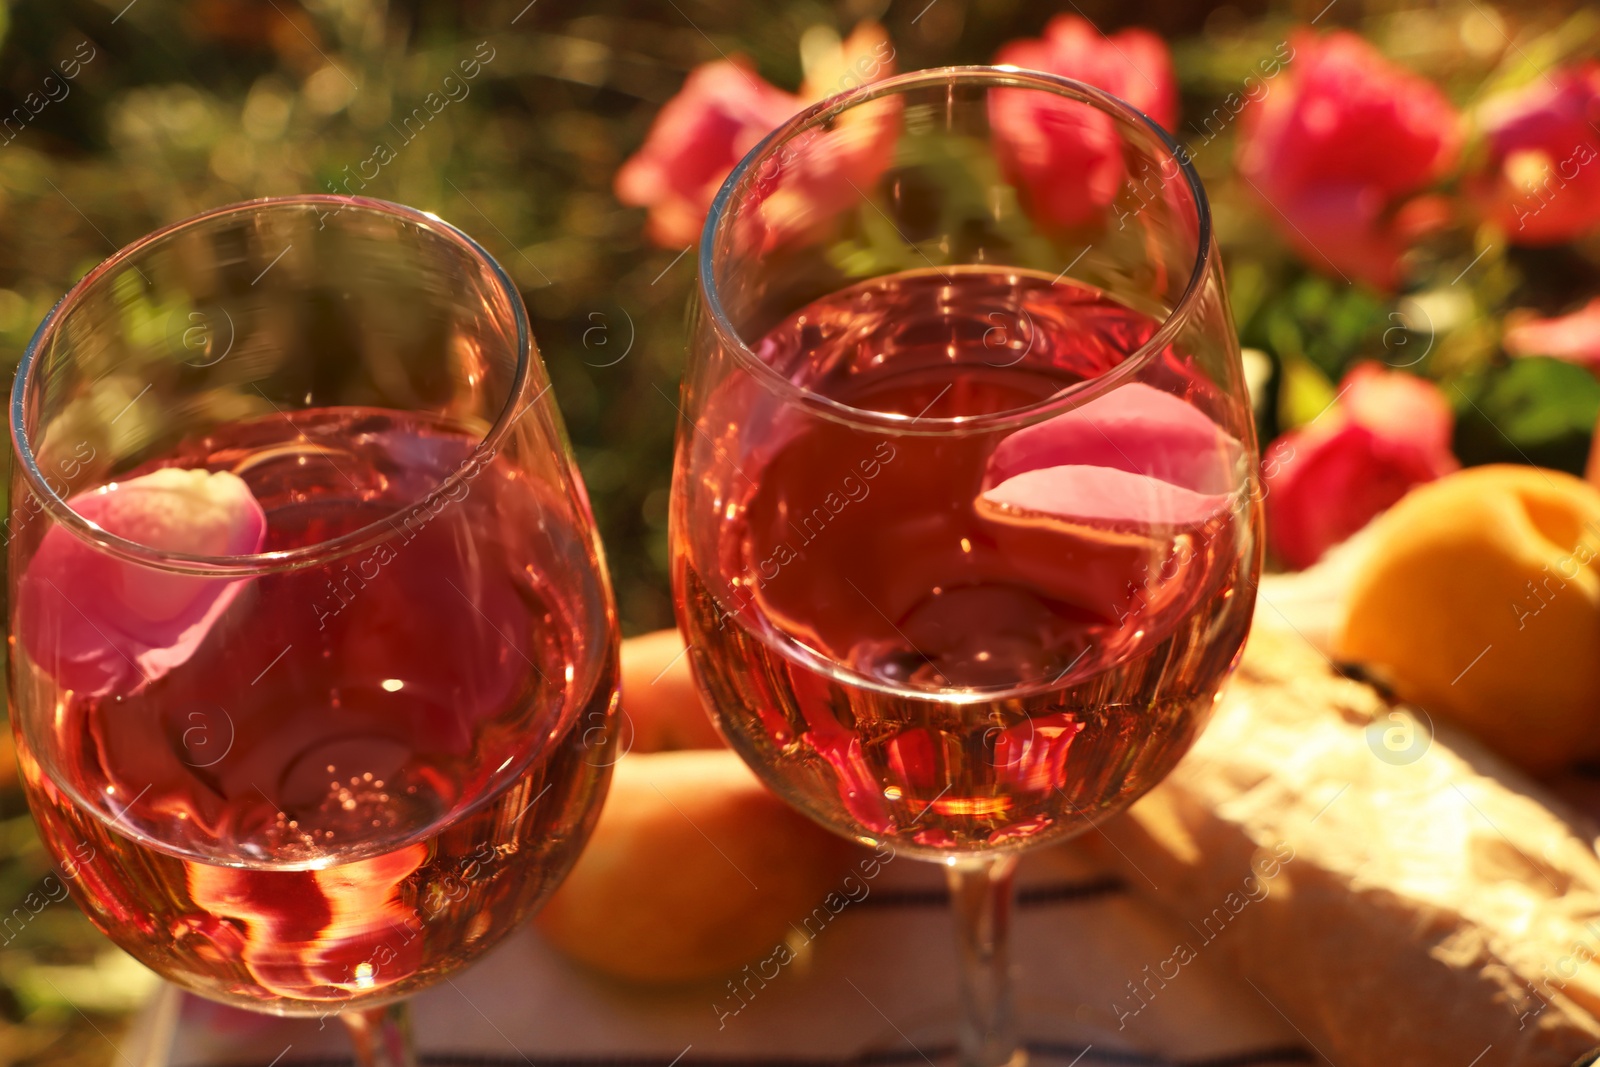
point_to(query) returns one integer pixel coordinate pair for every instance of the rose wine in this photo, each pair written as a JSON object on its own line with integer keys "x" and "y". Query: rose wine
{"x": 366, "y": 772}
{"x": 977, "y": 640}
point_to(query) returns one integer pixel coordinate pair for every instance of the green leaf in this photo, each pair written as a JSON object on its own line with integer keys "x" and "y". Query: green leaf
{"x": 1538, "y": 400}
{"x": 1247, "y": 287}
{"x": 1306, "y": 393}
{"x": 1536, "y": 410}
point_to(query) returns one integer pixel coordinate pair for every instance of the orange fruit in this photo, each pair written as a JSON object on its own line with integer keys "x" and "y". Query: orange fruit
{"x": 1479, "y": 600}
{"x": 661, "y": 707}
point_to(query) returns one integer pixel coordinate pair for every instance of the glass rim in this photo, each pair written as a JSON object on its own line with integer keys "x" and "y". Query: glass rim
{"x": 259, "y": 563}
{"x": 1001, "y": 76}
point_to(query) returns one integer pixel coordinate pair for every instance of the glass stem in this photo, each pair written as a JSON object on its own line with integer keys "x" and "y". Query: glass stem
{"x": 982, "y": 893}
{"x": 382, "y": 1036}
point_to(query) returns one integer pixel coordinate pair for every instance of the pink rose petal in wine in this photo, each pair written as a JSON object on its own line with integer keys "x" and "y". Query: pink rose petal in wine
{"x": 1135, "y": 428}
{"x": 1104, "y": 495}
{"x": 99, "y": 624}
{"x": 1136, "y": 455}
{"x": 1096, "y": 499}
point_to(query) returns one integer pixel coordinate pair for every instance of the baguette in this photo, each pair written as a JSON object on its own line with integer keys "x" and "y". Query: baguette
{"x": 1400, "y": 894}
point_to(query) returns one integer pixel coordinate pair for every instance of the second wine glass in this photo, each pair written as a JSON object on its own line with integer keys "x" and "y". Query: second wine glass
{"x": 965, "y": 524}
{"x": 313, "y": 654}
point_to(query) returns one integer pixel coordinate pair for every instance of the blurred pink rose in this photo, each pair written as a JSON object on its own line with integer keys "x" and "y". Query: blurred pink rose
{"x": 827, "y": 169}
{"x": 1339, "y": 147}
{"x": 1574, "y": 337}
{"x": 1066, "y": 155}
{"x": 1540, "y": 180}
{"x": 1133, "y": 65}
{"x": 723, "y": 110}
{"x": 1388, "y": 432}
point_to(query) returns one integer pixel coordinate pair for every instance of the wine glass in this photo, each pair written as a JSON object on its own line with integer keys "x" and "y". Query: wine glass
{"x": 313, "y": 657}
{"x": 965, "y": 523}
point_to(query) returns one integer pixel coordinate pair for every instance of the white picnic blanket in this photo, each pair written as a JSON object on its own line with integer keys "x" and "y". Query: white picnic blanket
{"x": 875, "y": 986}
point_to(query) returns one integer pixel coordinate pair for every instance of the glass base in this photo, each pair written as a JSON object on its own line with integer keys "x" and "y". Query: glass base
{"x": 1054, "y": 1034}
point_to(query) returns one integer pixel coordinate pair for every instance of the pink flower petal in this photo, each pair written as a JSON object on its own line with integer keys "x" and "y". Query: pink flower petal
{"x": 1574, "y": 337}
{"x": 1100, "y": 495}
{"x": 99, "y": 624}
{"x": 1094, "y": 498}
{"x": 1136, "y": 428}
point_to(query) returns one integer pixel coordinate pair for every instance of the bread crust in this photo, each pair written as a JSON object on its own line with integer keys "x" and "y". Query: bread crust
{"x": 1437, "y": 907}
